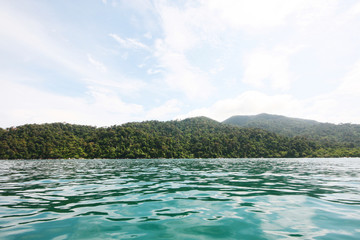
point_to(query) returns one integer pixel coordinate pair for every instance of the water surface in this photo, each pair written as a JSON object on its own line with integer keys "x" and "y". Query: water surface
{"x": 180, "y": 199}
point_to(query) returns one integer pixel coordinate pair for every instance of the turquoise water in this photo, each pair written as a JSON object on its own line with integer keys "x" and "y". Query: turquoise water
{"x": 180, "y": 199}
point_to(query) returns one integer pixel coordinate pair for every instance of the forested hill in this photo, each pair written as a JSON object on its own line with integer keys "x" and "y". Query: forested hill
{"x": 190, "y": 138}
{"x": 326, "y": 133}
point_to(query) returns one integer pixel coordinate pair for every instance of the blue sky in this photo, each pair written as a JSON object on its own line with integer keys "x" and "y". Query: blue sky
{"x": 107, "y": 62}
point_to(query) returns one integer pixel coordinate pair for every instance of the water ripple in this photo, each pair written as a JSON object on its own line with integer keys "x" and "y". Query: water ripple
{"x": 184, "y": 199}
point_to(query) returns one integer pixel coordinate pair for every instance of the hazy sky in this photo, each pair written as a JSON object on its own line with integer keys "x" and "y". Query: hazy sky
{"x": 107, "y": 62}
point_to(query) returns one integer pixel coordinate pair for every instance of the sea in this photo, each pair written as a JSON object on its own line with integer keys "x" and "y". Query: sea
{"x": 180, "y": 199}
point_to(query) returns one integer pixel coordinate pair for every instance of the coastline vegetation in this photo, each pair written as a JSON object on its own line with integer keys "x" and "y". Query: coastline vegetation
{"x": 198, "y": 137}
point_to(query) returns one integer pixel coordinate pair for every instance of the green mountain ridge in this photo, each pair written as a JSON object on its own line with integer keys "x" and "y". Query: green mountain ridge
{"x": 326, "y": 133}
{"x": 198, "y": 137}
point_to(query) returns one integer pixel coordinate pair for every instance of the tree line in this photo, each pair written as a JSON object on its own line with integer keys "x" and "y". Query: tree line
{"x": 326, "y": 133}
{"x": 190, "y": 138}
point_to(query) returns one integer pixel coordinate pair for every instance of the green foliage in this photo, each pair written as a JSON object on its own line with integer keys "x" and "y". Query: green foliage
{"x": 330, "y": 135}
{"x": 191, "y": 138}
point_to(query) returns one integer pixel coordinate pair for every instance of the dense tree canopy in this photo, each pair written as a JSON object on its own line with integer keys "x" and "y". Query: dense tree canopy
{"x": 190, "y": 138}
{"x": 327, "y": 133}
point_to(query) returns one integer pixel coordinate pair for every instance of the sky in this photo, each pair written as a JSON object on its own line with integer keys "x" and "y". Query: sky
{"x": 108, "y": 62}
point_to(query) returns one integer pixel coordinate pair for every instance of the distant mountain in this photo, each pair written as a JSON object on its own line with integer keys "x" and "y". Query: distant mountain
{"x": 275, "y": 123}
{"x": 198, "y": 137}
{"x": 332, "y": 134}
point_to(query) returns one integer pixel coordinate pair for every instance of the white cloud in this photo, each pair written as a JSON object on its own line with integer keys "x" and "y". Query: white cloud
{"x": 269, "y": 68}
{"x": 101, "y": 108}
{"x": 165, "y": 111}
{"x": 349, "y": 15}
{"x": 110, "y": 102}
{"x": 249, "y": 103}
{"x": 252, "y": 13}
{"x": 355, "y": 9}
{"x": 260, "y": 14}
{"x": 129, "y": 43}
{"x": 181, "y": 76}
{"x": 338, "y": 106}
{"x": 187, "y": 35}
{"x": 100, "y": 66}
{"x": 179, "y": 37}
{"x": 126, "y": 86}
{"x": 217, "y": 69}
{"x": 151, "y": 71}
{"x": 25, "y": 36}
{"x": 350, "y": 83}
{"x": 215, "y": 24}
{"x": 177, "y": 27}
{"x": 21, "y": 33}
{"x": 148, "y": 35}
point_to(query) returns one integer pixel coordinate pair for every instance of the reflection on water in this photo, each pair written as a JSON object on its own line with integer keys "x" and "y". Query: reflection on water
{"x": 180, "y": 199}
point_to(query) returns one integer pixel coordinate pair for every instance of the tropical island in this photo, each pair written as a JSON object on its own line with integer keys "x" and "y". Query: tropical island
{"x": 263, "y": 135}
